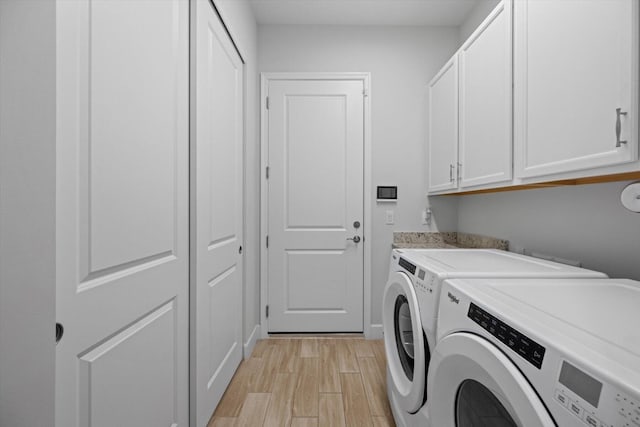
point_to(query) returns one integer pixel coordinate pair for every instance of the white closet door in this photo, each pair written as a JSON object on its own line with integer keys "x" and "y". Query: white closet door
{"x": 216, "y": 227}
{"x": 122, "y": 213}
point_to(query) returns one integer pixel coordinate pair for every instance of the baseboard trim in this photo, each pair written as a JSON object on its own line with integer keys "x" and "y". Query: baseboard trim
{"x": 251, "y": 342}
{"x": 375, "y": 332}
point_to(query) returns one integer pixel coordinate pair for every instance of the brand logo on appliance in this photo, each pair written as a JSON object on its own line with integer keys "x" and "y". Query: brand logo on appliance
{"x": 453, "y": 298}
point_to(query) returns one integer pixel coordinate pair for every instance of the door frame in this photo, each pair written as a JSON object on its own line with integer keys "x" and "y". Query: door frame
{"x": 28, "y": 210}
{"x": 265, "y": 78}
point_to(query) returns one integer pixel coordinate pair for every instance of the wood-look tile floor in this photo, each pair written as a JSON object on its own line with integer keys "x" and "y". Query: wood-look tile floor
{"x": 308, "y": 381}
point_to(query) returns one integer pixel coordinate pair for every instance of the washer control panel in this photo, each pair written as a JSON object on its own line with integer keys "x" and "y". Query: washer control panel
{"x": 410, "y": 267}
{"x": 425, "y": 282}
{"x": 426, "y": 287}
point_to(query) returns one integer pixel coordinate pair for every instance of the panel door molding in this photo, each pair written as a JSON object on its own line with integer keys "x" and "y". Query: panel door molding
{"x": 122, "y": 213}
{"x": 217, "y": 190}
{"x": 315, "y": 155}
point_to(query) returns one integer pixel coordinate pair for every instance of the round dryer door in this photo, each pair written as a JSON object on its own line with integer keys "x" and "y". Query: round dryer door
{"x": 478, "y": 386}
{"x": 404, "y": 342}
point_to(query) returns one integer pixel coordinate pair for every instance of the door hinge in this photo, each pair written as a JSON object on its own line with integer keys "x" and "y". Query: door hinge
{"x": 267, "y": 311}
{"x": 365, "y": 92}
{"x": 267, "y": 172}
{"x": 267, "y": 241}
{"x": 267, "y": 102}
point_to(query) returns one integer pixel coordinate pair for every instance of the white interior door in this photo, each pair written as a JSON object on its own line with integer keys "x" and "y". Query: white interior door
{"x": 122, "y": 213}
{"x": 316, "y": 145}
{"x": 217, "y": 194}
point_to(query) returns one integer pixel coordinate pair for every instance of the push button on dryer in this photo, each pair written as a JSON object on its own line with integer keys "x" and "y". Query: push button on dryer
{"x": 561, "y": 398}
{"x": 537, "y": 355}
{"x": 591, "y": 421}
{"x": 576, "y": 409}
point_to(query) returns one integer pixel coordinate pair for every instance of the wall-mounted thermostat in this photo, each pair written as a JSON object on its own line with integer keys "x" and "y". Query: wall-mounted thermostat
{"x": 387, "y": 194}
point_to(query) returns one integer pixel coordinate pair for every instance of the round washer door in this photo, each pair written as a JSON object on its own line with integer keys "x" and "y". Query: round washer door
{"x": 404, "y": 342}
{"x": 477, "y": 385}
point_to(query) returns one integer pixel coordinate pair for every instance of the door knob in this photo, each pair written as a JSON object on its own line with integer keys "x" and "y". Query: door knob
{"x": 59, "y": 332}
{"x": 356, "y": 239}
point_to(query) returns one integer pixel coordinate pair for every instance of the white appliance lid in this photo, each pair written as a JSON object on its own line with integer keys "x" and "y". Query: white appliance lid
{"x": 606, "y": 309}
{"x": 490, "y": 263}
{"x": 592, "y": 321}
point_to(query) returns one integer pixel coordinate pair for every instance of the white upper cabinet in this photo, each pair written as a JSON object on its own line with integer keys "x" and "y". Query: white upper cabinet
{"x": 575, "y": 93}
{"x": 485, "y": 81}
{"x": 443, "y": 128}
{"x": 470, "y": 110}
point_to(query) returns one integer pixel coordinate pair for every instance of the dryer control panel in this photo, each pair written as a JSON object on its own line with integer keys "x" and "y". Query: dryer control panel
{"x": 524, "y": 346}
{"x": 595, "y": 403}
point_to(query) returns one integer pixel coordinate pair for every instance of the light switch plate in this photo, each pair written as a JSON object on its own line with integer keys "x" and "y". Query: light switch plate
{"x": 426, "y": 216}
{"x": 389, "y": 217}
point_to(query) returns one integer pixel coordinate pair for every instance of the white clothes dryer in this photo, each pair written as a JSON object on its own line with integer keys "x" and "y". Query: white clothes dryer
{"x": 410, "y": 307}
{"x": 537, "y": 352}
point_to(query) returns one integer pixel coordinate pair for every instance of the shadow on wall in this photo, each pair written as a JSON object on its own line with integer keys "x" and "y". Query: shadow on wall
{"x": 585, "y": 223}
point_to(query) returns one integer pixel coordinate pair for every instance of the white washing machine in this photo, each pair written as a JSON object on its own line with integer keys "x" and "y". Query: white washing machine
{"x": 410, "y": 306}
{"x": 537, "y": 352}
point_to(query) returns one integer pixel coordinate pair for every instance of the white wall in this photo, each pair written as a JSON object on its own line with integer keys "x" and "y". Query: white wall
{"x": 27, "y": 212}
{"x": 585, "y": 223}
{"x": 240, "y": 22}
{"x": 480, "y": 11}
{"x": 401, "y": 61}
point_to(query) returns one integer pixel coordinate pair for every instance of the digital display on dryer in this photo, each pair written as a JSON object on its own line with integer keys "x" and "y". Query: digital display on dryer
{"x": 580, "y": 383}
{"x": 527, "y": 348}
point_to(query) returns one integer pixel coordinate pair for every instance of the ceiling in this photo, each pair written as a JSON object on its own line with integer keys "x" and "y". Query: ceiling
{"x": 361, "y": 12}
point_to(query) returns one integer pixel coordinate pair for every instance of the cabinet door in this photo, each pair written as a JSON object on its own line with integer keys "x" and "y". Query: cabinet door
{"x": 443, "y": 128}
{"x": 485, "y": 101}
{"x": 574, "y": 67}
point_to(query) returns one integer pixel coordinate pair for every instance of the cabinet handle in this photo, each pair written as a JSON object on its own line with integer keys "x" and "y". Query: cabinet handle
{"x": 450, "y": 173}
{"x": 619, "y": 113}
